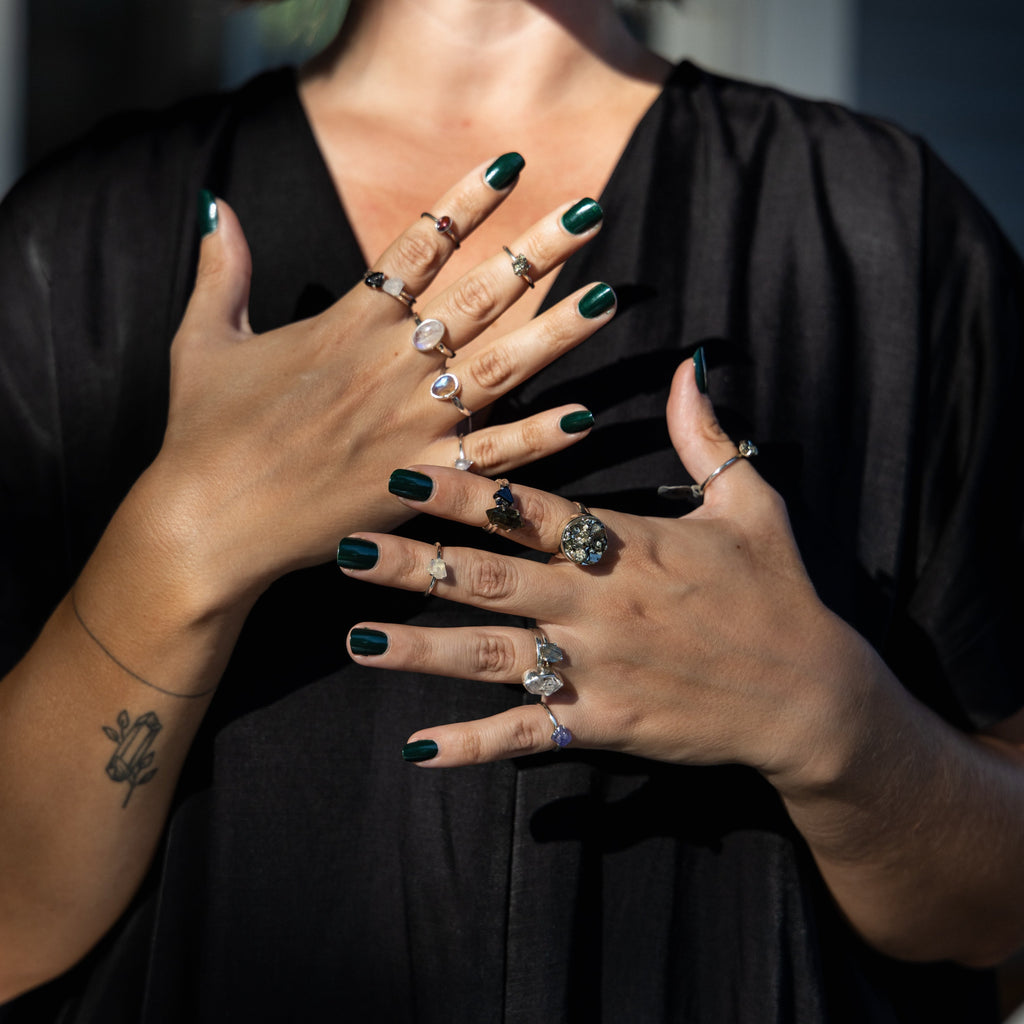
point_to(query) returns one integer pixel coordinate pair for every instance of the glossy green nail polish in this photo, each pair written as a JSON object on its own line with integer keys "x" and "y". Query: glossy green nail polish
{"x": 407, "y": 483}
{"x": 420, "y": 750}
{"x": 582, "y": 216}
{"x": 598, "y": 300}
{"x": 356, "y": 553}
{"x": 368, "y": 641}
{"x": 207, "y": 212}
{"x": 700, "y": 370}
{"x": 504, "y": 171}
{"x": 576, "y": 422}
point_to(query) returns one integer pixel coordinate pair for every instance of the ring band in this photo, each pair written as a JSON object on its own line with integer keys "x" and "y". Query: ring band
{"x": 561, "y": 737}
{"x": 504, "y": 516}
{"x": 544, "y": 680}
{"x": 437, "y": 567}
{"x": 520, "y": 265}
{"x": 462, "y": 462}
{"x": 446, "y": 388}
{"x": 427, "y": 337}
{"x": 393, "y": 286}
{"x": 745, "y": 450}
{"x": 584, "y": 538}
{"x": 444, "y": 226}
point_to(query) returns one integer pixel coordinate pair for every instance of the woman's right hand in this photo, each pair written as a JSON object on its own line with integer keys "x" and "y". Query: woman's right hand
{"x": 278, "y": 443}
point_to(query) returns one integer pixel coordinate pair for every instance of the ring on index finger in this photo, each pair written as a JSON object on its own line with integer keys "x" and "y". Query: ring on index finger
{"x": 444, "y": 226}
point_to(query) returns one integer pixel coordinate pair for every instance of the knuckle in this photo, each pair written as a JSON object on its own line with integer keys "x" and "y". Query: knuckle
{"x": 493, "y": 368}
{"x": 532, "y": 438}
{"x": 475, "y": 298}
{"x": 493, "y": 657}
{"x": 473, "y": 748}
{"x": 487, "y": 451}
{"x": 419, "y": 252}
{"x": 519, "y": 737}
{"x": 492, "y": 580}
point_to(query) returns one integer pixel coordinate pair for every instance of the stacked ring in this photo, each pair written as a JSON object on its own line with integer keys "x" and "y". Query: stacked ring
{"x": 544, "y": 680}
{"x": 446, "y": 388}
{"x": 520, "y": 265}
{"x": 427, "y": 337}
{"x": 444, "y": 226}
{"x": 504, "y": 516}
{"x": 393, "y": 286}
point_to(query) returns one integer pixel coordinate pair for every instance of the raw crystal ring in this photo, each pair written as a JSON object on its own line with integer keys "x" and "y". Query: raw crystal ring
{"x": 746, "y": 450}
{"x": 462, "y": 462}
{"x": 427, "y": 337}
{"x": 520, "y": 265}
{"x": 393, "y": 286}
{"x": 561, "y": 737}
{"x": 504, "y": 516}
{"x": 446, "y": 388}
{"x": 544, "y": 680}
{"x": 444, "y": 226}
{"x": 437, "y": 567}
{"x": 584, "y": 539}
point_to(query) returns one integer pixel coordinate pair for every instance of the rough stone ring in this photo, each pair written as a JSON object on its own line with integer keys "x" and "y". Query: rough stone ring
{"x": 428, "y": 335}
{"x": 520, "y": 265}
{"x": 544, "y": 680}
{"x": 584, "y": 539}
{"x": 561, "y": 737}
{"x": 393, "y": 286}
{"x": 444, "y": 226}
{"x": 437, "y": 567}
{"x": 504, "y": 516}
{"x": 446, "y": 388}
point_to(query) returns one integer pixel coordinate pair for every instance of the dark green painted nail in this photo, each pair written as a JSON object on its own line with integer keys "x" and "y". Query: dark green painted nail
{"x": 598, "y": 300}
{"x": 407, "y": 483}
{"x": 504, "y": 171}
{"x": 581, "y": 217}
{"x": 576, "y": 422}
{"x": 207, "y": 212}
{"x": 368, "y": 641}
{"x": 356, "y": 553}
{"x": 700, "y": 370}
{"x": 420, "y": 750}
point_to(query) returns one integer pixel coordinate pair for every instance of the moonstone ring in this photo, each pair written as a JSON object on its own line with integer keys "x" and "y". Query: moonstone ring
{"x": 428, "y": 335}
{"x": 444, "y": 226}
{"x": 393, "y": 286}
{"x": 520, "y": 265}
{"x": 446, "y": 388}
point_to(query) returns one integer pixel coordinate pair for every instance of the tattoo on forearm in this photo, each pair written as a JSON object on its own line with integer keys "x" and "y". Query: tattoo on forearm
{"x": 124, "y": 668}
{"x": 132, "y": 759}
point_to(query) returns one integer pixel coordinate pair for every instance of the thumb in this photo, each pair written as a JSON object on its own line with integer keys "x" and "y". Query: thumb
{"x": 697, "y": 437}
{"x": 221, "y": 292}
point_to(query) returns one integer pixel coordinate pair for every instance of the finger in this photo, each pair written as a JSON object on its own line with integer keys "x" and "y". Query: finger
{"x": 699, "y": 440}
{"x": 221, "y": 293}
{"x": 487, "y": 373}
{"x": 481, "y": 295}
{"x": 416, "y": 256}
{"x": 513, "y": 733}
{"x": 483, "y": 579}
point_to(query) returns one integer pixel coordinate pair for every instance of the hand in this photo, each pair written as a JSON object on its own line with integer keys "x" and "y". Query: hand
{"x": 696, "y": 640}
{"x": 278, "y": 442}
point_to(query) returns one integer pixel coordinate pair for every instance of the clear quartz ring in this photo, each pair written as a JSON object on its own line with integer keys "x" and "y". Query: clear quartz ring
{"x": 393, "y": 286}
{"x": 584, "y": 538}
{"x": 520, "y": 265}
{"x": 446, "y": 388}
{"x": 437, "y": 567}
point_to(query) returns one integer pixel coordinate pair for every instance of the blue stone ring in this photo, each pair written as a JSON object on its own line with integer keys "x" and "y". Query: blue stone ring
{"x": 561, "y": 737}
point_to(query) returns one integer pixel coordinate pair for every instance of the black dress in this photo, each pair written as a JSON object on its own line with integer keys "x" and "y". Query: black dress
{"x": 861, "y": 319}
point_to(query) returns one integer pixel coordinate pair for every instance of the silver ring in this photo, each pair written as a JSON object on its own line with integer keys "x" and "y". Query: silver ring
{"x": 584, "y": 538}
{"x": 444, "y": 226}
{"x": 446, "y": 388}
{"x": 504, "y": 516}
{"x": 745, "y": 450}
{"x": 427, "y": 337}
{"x": 462, "y": 462}
{"x": 520, "y": 265}
{"x": 437, "y": 567}
{"x": 561, "y": 737}
{"x": 544, "y": 680}
{"x": 393, "y": 286}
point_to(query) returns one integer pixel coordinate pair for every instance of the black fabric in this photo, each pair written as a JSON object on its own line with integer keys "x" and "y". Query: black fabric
{"x": 861, "y": 319}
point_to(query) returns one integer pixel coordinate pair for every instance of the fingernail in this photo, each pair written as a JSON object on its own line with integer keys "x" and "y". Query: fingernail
{"x": 407, "y": 483}
{"x": 581, "y": 217}
{"x": 207, "y": 212}
{"x": 700, "y": 370}
{"x": 598, "y": 300}
{"x": 368, "y": 641}
{"x": 576, "y": 422}
{"x": 504, "y": 171}
{"x": 356, "y": 553}
{"x": 419, "y": 750}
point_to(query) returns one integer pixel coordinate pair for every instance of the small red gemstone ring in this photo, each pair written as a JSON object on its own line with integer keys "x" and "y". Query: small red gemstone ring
{"x": 444, "y": 226}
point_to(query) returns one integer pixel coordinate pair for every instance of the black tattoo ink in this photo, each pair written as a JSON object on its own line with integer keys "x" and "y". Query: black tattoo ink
{"x": 133, "y": 756}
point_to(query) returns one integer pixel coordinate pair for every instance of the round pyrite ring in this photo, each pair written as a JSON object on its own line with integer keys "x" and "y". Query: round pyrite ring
{"x": 393, "y": 286}
{"x": 544, "y": 680}
{"x": 444, "y": 226}
{"x": 428, "y": 335}
{"x": 504, "y": 516}
{"x": 446, "y": 388}
{"x": 561, "y": 737}
{"x": 437, "y": 567}
{"x": 520, "y": 265}
{"x": 584, "y": 539}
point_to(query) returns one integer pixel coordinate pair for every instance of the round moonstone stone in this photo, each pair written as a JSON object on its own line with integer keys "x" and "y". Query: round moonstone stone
{"x": 427, "y": 334}
{"x": 393, "y": 286}
{"x": 446, "y": 386}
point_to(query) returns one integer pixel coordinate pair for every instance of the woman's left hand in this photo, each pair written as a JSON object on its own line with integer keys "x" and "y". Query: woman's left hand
{"x": 696, "y": 640}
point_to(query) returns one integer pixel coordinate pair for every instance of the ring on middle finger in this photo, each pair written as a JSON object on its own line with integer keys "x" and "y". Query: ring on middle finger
{"x": 428, "y": 335}
{"x": 544, "y": 680}
{"x": 446, "y": 388}
{"x": 520, "y": 265}
{"x": 583, "y": 538}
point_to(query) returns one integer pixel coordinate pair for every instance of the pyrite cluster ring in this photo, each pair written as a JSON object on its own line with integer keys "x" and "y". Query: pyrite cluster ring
{"x": 520, "y": 265}
{"x": 437, "y": 568}
{"x": 393, "y": 286}
{"x": 428, "y": 337}
{"x": 544, "y": 680}
{"x": 584, "y": 539}
{"x": 446, "y": 388}
{"x": 444, "y": 226}
{"x": 561, "y": 737}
